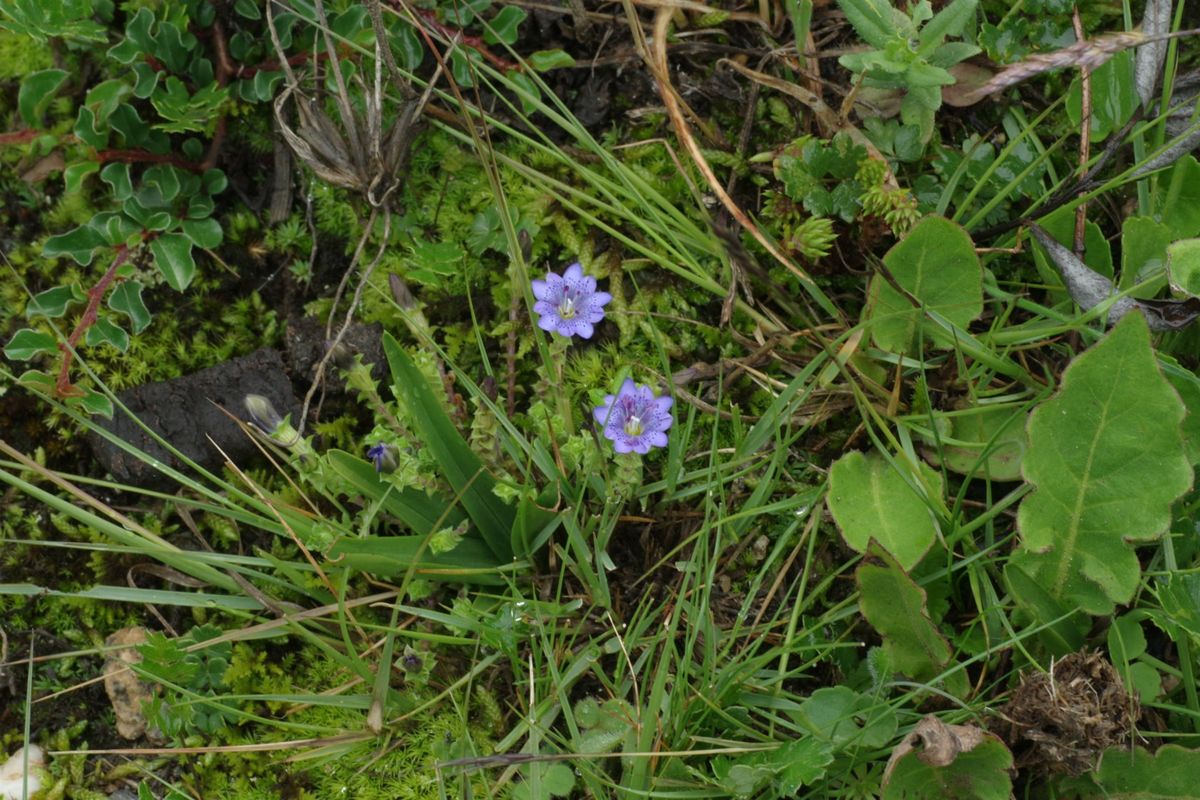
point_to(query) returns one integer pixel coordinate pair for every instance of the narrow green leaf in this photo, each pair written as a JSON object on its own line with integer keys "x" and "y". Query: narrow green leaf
{"x": 871, "y": 19}
{"x": 950, "y": 21}
{"x": 393, "y": 556}
{"x": 27, "y": 343}
{"x": 37, "y": 90}
{"x": 460, "y": 466}
{"x": 1107, "y": 457}
{"x": 870, "y": 500}
{"x": 173, "y": 257}
{"x": 421, "y": 512}
{"x": 895, "y": 606}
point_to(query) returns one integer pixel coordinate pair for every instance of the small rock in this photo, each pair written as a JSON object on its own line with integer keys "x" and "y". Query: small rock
{"x": 125, "y": 690}
{"x": 12, "y": 773}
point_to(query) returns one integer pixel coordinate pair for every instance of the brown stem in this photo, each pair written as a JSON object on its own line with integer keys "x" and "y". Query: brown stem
{"x": 455, "y": 34}
{"x": 63, "y": 386}
{"x": 19, "y": 137}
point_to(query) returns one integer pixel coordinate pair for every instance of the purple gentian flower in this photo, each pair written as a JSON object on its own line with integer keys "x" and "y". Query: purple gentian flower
{"x": 569, "y": 304}
{"x": 384, "y": 457}
{"x": 634, "y": 419}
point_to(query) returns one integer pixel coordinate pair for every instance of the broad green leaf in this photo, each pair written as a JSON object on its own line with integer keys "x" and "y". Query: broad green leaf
{"x": 983, "y": 442}
{"x": 173, "y": 257}
{"x": 843, "y": 717}
{"x": 460, "y": 466}
{"x": 1183, "y": 266}
{"x": 1061, "y": 630}
{"x": 1144, "y": 244}
{"x": 937, "y": 266}
{"x": 1179, "y": 198}
{"x": 410, "y": 51}
{"x": 93, "y": 403}
{"x": 127, "y": 299}
{"x": 36, "y": 92}
{"x": 1107, "y": 459}
{"x": 27, "y": 343}
{"x": 870, "y": 500}
{"x": 981, "y": 773}
{"x": 1168, "y": 773}
{"x": 895, "y": 606}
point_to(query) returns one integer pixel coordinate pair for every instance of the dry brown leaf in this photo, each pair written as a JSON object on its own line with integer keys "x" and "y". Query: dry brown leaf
{"x": 941, "y": 743}
{"x": 125, "y": 690}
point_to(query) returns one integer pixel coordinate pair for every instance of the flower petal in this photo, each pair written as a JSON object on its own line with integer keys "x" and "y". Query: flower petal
{"x": 548, "y": 322}
{"x": 574, "y": 272}
{"x": 583, "y": 328}
{"x": 656, "y": 438}
{"x": 622, "y": 445}
{"x": 541, "y": 289}
{"x": 600, "y": 299}
{"x": 627, "y": 388}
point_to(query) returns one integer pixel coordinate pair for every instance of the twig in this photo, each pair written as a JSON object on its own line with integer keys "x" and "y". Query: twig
{"x": 63, "y": 386}
{"x": 1085, "y": 135}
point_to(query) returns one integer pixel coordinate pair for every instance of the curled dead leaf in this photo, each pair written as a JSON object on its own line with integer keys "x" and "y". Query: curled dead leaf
{"x": 940, "y": 743}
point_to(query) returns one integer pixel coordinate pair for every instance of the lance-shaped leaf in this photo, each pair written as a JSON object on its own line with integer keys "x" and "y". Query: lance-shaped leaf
{"x": 1089, "y": 288}
{"x": 870, "y": 500}
{"x": 895, "y": 606}
{"x": 1107, "y": 459}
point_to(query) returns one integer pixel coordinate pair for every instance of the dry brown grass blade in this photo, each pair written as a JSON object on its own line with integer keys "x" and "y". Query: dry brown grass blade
{"x": 829, "y": 120}
{"x": 656, "y": 60}
{"x": 1088, "y": 54}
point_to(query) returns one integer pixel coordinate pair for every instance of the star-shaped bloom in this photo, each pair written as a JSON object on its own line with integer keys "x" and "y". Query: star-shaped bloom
{"x": 569, "y": 304}
{"x": 634, "y": 419}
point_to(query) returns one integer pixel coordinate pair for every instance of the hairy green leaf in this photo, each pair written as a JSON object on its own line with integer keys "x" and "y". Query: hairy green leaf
{"x": 935, "y": 266}
{"x": 1107, "y": 458}
{"x": 870, "y": 500}
{"x": 895, "y": 606}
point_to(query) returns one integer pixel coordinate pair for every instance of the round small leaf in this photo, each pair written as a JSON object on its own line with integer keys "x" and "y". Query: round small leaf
{"x": 53, "y": 302}
{"x": 869, "y": 500}
{"x": 204, "y": 233}
{"x": 545, "y": 60}
{"x": 36, "y": 92}
{"x": 80, "y": 244}
{"x": 27, "y": 343}
{"x": 127, "y": 299}
{"x": 503, "y": 26}
{"x": 173, "y": 257}
{"x": 104, "y": 331}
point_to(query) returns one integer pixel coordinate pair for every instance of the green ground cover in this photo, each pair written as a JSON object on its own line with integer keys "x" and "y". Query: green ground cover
{"x": 693, "y": 401}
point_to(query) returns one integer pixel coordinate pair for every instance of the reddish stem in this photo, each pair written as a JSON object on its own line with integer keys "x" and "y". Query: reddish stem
{"x": 19, "y": 137}
{"x": 63, "y": 386}
{"x": 430, "y": 16}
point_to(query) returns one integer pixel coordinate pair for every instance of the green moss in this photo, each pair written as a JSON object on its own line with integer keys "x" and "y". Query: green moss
{"x": 21, "y": 55}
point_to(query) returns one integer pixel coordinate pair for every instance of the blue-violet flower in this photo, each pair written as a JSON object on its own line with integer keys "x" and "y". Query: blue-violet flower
{"x": 384, "y": 457}
{"x": 569, "y": 304}
{"x": 634, "y": 419}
